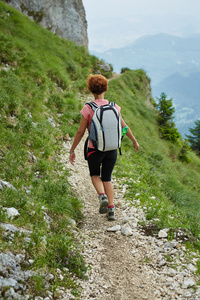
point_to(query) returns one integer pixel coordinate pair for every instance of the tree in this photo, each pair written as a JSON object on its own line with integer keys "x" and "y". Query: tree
{"x": 165, "y": 119}
{"x": 194, "y": 139}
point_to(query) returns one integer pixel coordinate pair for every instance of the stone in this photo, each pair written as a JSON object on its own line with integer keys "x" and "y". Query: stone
{"x": 73, "y": 222}
{"x": 191, "y": 268}
{"x": 168, "y": 283}
{"x": 198, "y": 291}
{"x": 10, "y": 294}
{"x": 187, "y": 295}
{"x": 134, "y": 225}
{"x": 61, "y": 277}
{"x": 28, "y": 274}
{"x": 51, "y": 121}
{"x": 12, "y": 276}
{"x": 169, "y": 245}
{"x": 162, "y": 234}
{"x": 162, "y": 263}
{"x": 31, "y": 261}
{"x": 9, "y": 228}
{"x": 47, "y": 219}
{"x": 159, "y": 249}
{"x": 188, "y": 282}
{"x": 172, "y": 272}
{"x": 114, "y": 228}
{"x": 105, "y": 67}
{"x": 12, "y": 212}
{"x": 59, "y": 294}
{"x": 126, "y": 230}
{"x": 66, "y": 18}
{"x": 4, "y": 184}
{"x": 10, "y": 282}
{"x": 20, "y": 258}
{"x": 160, "y": 257}
{"x": 32, "y": 157}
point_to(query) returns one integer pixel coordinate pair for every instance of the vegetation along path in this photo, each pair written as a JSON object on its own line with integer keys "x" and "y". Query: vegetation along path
{"x": 126, "y": 262}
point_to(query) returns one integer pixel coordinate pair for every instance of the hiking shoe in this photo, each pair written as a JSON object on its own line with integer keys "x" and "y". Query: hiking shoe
{"x": 103, "y": 204}
{"x": 111, "y": 214}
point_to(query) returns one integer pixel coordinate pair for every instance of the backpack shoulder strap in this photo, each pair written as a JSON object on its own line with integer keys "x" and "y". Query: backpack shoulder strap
{"x": 112, "y": 103}
{"x": 93, "y": 105}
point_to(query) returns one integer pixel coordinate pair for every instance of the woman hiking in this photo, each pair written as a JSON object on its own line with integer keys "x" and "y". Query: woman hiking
{"x": 100, "y": 163}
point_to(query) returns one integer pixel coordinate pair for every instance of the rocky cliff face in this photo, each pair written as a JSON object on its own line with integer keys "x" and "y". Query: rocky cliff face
{"x": 66, "y": 18}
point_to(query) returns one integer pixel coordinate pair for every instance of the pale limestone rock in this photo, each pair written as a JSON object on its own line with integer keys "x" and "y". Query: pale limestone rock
{"x": 126, "y": 230}
{"x": 66, "y": 18}
{"x": 12, "y": 212}
{"x": 4, "y": 184}
{"x": 172, "y": 272}
{"x": 187, "y": 295}
{"x": 114, "y": 228}
{"x": 188, "y": 282}
{"x": 162, "y": 234}
{"x": 191, "y": 268}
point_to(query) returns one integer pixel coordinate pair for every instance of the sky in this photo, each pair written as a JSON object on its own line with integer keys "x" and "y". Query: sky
{"x": 118, "y": 23}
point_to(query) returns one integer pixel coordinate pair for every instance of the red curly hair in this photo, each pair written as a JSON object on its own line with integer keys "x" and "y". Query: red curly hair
{"x": 97, "y": 84}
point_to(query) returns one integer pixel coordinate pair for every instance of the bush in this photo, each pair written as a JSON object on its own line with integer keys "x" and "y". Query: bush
{"x": 123, "y": 70}
{"x": 184, "y": 151}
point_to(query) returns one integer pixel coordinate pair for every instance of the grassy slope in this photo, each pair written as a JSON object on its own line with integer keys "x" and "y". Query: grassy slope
{"x": 40, "y": 76}
{"x": 175, "y": 185}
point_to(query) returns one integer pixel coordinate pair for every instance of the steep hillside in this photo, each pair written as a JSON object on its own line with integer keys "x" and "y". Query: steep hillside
{"x": 41, "y": 76}
{"x": 43, "y": 79}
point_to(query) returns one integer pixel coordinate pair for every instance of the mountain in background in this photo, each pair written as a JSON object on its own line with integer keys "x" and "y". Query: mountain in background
{"x": 173, "y": 64}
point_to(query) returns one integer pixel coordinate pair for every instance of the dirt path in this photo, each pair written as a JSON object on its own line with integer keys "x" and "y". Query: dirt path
{"x": 115, "y": 273}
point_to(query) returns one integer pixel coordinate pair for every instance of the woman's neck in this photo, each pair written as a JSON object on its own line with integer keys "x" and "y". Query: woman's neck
{"x": 101, "y": 96}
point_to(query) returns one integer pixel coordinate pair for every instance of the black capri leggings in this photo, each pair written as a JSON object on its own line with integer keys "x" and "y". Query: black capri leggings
{"x": 101, "y": 163}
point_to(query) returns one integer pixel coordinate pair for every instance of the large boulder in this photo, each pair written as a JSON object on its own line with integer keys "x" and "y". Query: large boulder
{"x": 66, "y": 18}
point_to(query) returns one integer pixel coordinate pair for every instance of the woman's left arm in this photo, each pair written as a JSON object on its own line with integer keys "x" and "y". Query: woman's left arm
{"x": 77, "y": 139}
{"x": 130, "y": 136}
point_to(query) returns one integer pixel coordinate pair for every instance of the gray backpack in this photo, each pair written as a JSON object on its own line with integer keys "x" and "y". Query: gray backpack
{"x": 106, "y": 130}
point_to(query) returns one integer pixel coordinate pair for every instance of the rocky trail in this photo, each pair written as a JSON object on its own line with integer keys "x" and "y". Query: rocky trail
{"x": 125, "y": 263}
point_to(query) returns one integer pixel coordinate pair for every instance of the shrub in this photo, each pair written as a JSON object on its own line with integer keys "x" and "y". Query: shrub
{"x": 184, "y": 151}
